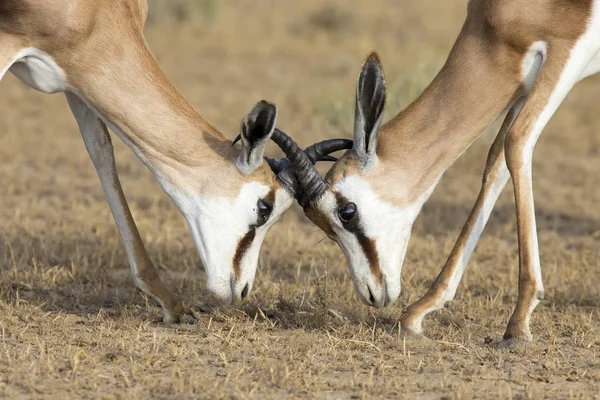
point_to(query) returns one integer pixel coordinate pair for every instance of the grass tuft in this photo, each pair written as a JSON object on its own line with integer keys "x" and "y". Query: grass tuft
{"x": 72, "y": 324}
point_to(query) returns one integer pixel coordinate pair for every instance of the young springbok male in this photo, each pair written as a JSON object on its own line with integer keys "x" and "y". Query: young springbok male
{"x": 95, "y": 52}
{"x": 520, "y": 56}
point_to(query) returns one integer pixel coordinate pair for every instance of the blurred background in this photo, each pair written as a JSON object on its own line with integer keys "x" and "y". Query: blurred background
{"x": 65, "y": 282}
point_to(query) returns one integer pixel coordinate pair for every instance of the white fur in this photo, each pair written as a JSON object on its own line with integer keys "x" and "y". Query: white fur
{"x": 101, "y": 153}
{"x": 38, "y": 69}
{"x": 386, "y": 224}
{"x": 218, "y": 224}
{"x": 531, "y": 65}
{"x": 583, "y": 61}
{"x": 495, "y": 189}
{"x": 532, "y": 62}
{"x": 592, "y": 67}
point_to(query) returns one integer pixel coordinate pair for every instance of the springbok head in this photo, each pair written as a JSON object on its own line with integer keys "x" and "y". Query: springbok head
{"x": 240, "y": 200}
{"x": 358, "y": 205}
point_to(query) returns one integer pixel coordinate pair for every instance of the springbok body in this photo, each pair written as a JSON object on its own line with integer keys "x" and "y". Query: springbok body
{"x": 95, "y": 52}
{"x": 520, "y": 56}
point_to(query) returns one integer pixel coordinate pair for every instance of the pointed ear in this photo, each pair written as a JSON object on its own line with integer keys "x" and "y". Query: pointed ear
{"x": 370, "y": 101}
{"x": 257, "y": 127}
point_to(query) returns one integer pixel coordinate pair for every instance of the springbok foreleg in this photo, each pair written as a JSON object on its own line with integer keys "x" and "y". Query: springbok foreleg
{"x": 444, "y": 288}
{"x": 99, "y": 146}
{"x": 558, "y": 75}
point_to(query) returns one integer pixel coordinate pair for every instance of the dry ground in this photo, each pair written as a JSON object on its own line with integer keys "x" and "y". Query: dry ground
{"x": 73, "y": 325}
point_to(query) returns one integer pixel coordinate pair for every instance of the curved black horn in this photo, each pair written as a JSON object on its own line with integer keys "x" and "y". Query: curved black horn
{"x": 310, "y": 180}
{"x": 311, "y": 183}
{"x": 297, "y": 171}
{"x": 320, "y": 151}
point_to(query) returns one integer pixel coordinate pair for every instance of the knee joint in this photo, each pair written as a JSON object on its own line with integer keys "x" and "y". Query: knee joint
{"x": 101, "y": 152}
{"x": 515, "y": 152}
{"x": 540, "y": 295}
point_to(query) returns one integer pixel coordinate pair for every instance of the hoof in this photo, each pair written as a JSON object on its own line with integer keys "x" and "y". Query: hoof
{"x": 182, "y": 316}
{"x": 168, "y": 318}
{"x": 188, "y": 318}
{"x": 515, "y": 343}
{"x": 408, "y": 332}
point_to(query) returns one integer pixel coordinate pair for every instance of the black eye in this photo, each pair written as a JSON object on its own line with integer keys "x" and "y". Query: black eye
{"x": 264, "y": 209}
{"x": 347, "y": 212}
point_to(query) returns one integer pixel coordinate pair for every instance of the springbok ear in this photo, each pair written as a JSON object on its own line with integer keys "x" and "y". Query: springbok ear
{"x": 370, "y": 101}
{"x": 257, "y": 127}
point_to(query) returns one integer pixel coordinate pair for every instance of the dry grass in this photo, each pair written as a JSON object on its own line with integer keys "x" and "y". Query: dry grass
{"x": 72, "y": 324}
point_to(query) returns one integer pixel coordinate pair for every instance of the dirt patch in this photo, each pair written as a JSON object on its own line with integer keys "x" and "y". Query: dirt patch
{"x": 73, "y": 326}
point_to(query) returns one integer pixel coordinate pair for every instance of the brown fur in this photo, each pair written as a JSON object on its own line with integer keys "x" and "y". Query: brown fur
{"x": 417, "y": 145}
{"x": 246, "y": 241}
{"x": 370, "y": 250}
{"x": 321, "y": 220}
{"x": 480, "y": 79}
{"x": 100, "y": 46}
{"x": 421, "y": 142}
{"x": 515, "y": 26}
{"x": 242, "y": 247}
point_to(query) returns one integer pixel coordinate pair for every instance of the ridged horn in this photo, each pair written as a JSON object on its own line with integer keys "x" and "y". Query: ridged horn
{"x": 311, "y": 183}
{"x": 321, "y": 151}
{"x": 297, "y": 172}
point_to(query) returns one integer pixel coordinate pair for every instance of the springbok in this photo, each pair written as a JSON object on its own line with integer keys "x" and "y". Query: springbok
{"x": 96, "y": 53}
{"x": 519, "y": 56}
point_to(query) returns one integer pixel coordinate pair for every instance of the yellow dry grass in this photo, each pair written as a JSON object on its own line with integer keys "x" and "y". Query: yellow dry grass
{"x": 72, "y": 324}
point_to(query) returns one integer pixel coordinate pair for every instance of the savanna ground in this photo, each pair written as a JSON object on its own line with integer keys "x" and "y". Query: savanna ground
{"x": 73, "y": 325}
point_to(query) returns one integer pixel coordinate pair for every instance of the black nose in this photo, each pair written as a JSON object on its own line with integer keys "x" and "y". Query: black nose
{"x": 245, "y": 291}
{"x": 371, "y": 298}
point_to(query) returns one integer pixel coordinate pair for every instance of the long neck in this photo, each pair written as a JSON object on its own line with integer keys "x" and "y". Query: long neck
{"x": 129, "y": 89}
{"x": 468, "y": 94}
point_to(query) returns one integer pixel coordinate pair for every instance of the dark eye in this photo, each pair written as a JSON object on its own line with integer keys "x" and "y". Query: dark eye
{"x": 347, "y": 212}
{"x": 264, "y": 209}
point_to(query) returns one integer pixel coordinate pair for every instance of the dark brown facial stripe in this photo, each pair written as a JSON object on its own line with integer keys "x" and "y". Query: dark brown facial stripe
{"x": 270, "y": 197}
{"x": 241, "y": 249}
{"x": 368, "y": 246}
{"x": 319, "y": 219}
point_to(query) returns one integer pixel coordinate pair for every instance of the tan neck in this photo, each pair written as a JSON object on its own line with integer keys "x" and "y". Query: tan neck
{"x": 132, "y": 93}
{"x": 467, "y": 95}
{"x": 100, "y": 47}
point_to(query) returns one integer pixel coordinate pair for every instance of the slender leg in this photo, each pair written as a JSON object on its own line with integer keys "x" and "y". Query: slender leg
{"x": 98, "y": 143}
{"x": 444, "y": 288}
{"x": 557, "y": 77}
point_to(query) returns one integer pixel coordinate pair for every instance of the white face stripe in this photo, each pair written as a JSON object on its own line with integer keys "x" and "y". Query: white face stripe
{"x": 388, "y": 225}
{"x": 218, "y": 224}
{"x": 249, "y": 261}
{"x": 358, "y": 263}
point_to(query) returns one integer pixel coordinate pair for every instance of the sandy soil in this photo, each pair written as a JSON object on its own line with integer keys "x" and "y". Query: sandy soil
{"x": 72, "y": 324}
